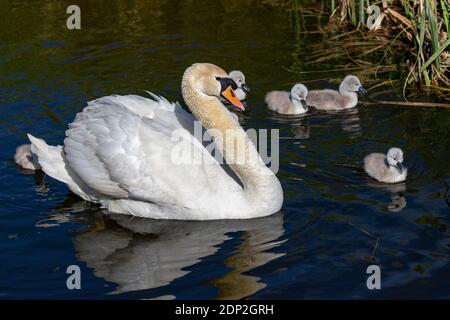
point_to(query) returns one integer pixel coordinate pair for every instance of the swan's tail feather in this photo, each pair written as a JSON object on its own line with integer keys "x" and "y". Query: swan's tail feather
{"x": 52, "y": 161}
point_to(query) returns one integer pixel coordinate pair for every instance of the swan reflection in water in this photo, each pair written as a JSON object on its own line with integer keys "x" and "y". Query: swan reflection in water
{"x": 348, "y": 120}
{"x": 139, "y": 253}
{"x": 297, "y": 123}
{"x": 398, "y": 200}
{"x": 397, "y": 194}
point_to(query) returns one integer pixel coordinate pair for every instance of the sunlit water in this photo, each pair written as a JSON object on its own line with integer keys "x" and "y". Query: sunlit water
{"x": 335, "y": 220}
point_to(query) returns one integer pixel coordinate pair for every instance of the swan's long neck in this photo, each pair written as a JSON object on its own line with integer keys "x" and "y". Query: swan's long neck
{"x": 351, "y": 98}
{"x": 259, "y": 182}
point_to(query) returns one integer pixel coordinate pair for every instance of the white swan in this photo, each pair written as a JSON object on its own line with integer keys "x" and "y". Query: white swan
{"x": 119, "y": 152}
{"x": 288, "y": 103}
{"x": 386, "y": 168}
{"x": 346, "y": 98}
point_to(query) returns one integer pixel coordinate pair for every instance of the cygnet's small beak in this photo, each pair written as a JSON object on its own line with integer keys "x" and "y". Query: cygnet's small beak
{"x": 362, "y": 90}
{"x": 245, "y": 87}
{"x": 305, "y": 106}
{"x": 401, "y": 167}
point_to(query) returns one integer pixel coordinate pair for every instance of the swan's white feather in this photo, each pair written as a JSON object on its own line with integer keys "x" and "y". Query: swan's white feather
{"x": 121, "y": 151}
{"x": 121, "y": 147}
{"x": 139, "y": 156}
{"x": 52, "y": 161}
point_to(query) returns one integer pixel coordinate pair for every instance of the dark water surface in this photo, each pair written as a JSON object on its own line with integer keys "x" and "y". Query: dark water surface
{"x": 335, "y": 220}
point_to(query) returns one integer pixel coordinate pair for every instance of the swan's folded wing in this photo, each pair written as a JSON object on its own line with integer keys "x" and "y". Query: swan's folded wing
{"x": 139, "y": 148}
{"x": 324, "y": 99}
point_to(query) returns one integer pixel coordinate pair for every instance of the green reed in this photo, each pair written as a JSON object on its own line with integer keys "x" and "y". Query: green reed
{"x": 424, "y": 24}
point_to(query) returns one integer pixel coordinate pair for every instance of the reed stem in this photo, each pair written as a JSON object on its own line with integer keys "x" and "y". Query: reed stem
{"x": 361, "y": 12}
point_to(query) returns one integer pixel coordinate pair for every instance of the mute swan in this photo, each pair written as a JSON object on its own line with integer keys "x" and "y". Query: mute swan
{"x": 328, "y": 99}
{"x": 386, "y": 168}
{"x": 119, "y": 152}
{"x": 288, "y": 103}
{"x": 239, "y": 78}
{"x": 25, "y": 158}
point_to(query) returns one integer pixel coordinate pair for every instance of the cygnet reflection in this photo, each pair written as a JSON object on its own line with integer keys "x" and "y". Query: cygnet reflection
{"x": 396, "y": 193}
{"x": 298, "y": 124}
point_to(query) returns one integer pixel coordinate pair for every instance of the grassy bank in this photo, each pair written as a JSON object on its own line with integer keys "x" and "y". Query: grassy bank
{"x": 410, "y": 36}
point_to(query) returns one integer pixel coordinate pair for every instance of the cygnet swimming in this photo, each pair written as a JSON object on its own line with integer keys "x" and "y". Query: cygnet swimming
{"x": 386, "y": 168}
{"x": 242, "y": 89}
{"x": 328, "y": 99}
{"x": 25, "y": 158}
{"x": 284, "y": 102}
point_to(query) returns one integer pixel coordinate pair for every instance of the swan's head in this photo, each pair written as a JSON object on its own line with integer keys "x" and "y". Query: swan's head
{"x": 352, "y": 84}
{"x": 395, "y": 159}
{"x": 212, "y": 81}
{"x": 239, "y": 78}
{"x": 299, "y": 93}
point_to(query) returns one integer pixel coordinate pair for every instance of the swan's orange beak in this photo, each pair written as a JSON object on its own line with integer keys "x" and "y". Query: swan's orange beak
{"x": 229, "y": 95}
